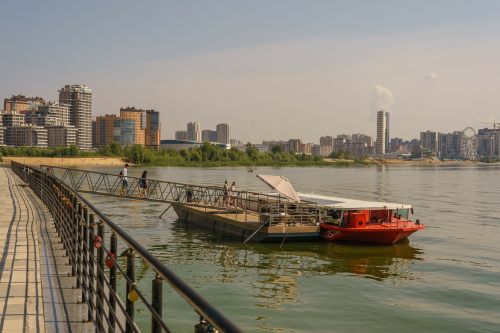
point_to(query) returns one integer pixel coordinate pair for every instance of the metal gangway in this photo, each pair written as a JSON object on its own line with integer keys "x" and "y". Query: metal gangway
{"x": 272, "y": 208}
{"x": 91, "y": 241}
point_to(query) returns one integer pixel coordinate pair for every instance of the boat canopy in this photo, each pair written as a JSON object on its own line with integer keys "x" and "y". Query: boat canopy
{"x": 350, "y": 204}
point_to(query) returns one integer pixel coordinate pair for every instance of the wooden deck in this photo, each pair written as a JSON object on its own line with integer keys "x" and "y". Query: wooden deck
{"x": 237, "y": 223}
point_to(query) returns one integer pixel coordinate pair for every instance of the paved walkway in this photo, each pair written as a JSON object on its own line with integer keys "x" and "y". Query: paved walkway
{"x": 21, "y": 305}
{"x": 36, "y": 294}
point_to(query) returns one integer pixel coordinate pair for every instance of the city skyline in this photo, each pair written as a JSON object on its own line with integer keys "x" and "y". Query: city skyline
{"x": 335, "y": 63}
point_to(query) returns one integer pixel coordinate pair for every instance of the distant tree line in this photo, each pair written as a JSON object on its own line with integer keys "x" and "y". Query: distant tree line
{"x": 139, "y": 154}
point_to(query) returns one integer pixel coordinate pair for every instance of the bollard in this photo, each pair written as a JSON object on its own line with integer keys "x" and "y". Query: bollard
{"x": 129, "y": 305}
{"x": 112, "y": 279}
{"x": 156, "y": 303}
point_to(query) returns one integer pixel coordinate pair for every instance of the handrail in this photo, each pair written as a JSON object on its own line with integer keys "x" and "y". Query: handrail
{"x": 201, "y": 306}
{"x": 200, "y": 196}
{"x": 176, "y": 183}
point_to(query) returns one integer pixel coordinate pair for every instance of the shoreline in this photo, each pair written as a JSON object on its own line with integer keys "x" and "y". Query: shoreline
{"x": 71, "y": 161}
{"x": 327, "y": 162}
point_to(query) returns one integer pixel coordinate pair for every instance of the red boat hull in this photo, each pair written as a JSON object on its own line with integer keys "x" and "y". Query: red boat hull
{"x": 370, "y": 234}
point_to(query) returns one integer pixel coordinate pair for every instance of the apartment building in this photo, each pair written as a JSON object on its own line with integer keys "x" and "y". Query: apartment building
{"x": 25, "y": 135}
{"x": 21, "y": 104}
{"x": 153, "y": 129}
{"x": 181, "y": 135}
{"x": 79, "y": 100}
{"x": 108, "y": 130}
{"x": 224, "y": 133}
{"x": 206, "y": 135}
{"x": 362, "y": 138}
{"x": 12, "y": 119}
{"x": 430, "y": 141}
{"x": 326, "y": 141}
{"x": 194, "y": 131}
{"x": 61, "y": 136}
{"x": 133, "y": 126}
{"x": 323, "y": 150}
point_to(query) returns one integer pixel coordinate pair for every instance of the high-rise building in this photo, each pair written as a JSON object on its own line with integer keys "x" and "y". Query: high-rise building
{"x": 224, "y": 133}
{"x": 326, "y": 141}
{"x": 194, "y": 132}
{"x": 213, "y": 136}
{"x": 382, "y": 132}
{"x": 153, "y": 129}
{"x": 55, "y": 109}
{"x": 61, "y": 136}
{"x": 181, "y": 135}
{"x": 429, "y": 140}
{"x": 79, "y": 100}
{"x": 133, "y": 129}
{"x": 206, "y": 135}
{"x": 94, "y": 132}
{"x": 21, "y": 104}
{"x": 108, "y": 130}
{"x": 2, "y": 142}
{"x": 295, "y": 145}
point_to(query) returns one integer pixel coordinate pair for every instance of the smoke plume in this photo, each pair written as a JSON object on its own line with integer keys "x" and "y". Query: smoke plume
{"x": 382, "y": 99}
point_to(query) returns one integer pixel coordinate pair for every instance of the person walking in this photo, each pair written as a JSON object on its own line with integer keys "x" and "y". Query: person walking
{"x": 232, "y": 194}
{"x": 143, "y": 184}
{"x": 124, "y": 179}
{"x": 225, "y": 200}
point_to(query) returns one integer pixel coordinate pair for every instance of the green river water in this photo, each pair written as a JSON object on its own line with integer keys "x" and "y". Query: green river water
{"x": 445, "y": 278}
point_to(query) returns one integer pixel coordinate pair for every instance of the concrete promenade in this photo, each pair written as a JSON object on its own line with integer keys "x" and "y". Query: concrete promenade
{"x": 36, "y": 294}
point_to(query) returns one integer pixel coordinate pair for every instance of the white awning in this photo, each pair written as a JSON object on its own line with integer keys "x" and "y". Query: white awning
{"x": 350, "y": 204}
{"x": 281, "y": 185}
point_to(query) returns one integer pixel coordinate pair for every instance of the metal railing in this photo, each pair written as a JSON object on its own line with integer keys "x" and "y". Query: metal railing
{"x": 271, "y": 208}
{"x": 96, "y": 274}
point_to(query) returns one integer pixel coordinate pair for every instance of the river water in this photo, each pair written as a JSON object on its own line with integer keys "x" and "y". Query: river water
{"x": 445, "y": 278}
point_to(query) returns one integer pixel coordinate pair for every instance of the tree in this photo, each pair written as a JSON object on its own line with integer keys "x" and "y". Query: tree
{"x": 252, "y": 151}
{"x": 348, "y": 155}
{"x": 277, "y": 149}
{"x": 73, "y": 149}
{"x": 116, "y": 149}
{"x": 340, "y": 154}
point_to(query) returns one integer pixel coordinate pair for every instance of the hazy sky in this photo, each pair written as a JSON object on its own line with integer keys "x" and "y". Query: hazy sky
{"x": 271, "y": 69}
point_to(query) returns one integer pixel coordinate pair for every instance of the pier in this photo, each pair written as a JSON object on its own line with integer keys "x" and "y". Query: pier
{"x": 59, "y": 267}
{"x": 250, "y": 216}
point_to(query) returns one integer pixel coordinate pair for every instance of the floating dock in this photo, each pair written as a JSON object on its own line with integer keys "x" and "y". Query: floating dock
{"x": 241, "y": 224}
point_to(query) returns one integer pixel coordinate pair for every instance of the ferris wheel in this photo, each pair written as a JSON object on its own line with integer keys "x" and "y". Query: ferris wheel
{"x": 468, "y": 146}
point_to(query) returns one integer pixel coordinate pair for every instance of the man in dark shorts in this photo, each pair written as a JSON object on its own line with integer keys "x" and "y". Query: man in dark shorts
{"x": 226, "y": 194}
{"x": 124, "y": 179}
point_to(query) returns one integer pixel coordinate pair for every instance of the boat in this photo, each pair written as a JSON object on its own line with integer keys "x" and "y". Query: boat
{"x": 363, "y": 221}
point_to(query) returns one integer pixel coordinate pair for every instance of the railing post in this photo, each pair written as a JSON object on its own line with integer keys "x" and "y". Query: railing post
{"x": 129, "y": 305}
{"x": 156, "y": 303}
{"x": 112, "y": 280}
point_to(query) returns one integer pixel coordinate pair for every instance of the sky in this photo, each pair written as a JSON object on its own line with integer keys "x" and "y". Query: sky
{"x": 273, "y": 70}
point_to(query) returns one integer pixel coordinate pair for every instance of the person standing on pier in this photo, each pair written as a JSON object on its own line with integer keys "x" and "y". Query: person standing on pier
{"x": 143, "y": 184}
{"x": 124, "y": 179}
{"x": 226, "y": 193}
{"x": 232, "y": 194}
